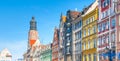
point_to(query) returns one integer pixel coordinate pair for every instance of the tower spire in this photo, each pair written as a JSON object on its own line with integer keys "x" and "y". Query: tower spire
{"x": 33, "y": 24}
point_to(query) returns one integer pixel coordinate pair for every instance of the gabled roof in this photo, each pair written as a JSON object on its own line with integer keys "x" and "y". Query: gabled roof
{"x": 6, "y": 53}
{"x": 56, "y": 36}
{"x": 92, "y": 7}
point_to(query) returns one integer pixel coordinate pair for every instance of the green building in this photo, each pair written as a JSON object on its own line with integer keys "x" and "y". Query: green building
{"x": 46, "y": 53}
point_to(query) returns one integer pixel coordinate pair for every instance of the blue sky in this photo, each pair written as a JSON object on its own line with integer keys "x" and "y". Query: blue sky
{"x": 16, "y": 14}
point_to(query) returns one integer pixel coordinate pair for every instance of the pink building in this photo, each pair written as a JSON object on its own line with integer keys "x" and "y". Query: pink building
{"x": 109, "y": 30}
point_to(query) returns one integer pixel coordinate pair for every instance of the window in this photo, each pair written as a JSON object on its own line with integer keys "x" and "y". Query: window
{"x": 89, "y": 57}
{"x": 113, "y": 37}
{"x": 68, "y": 50}
{"x": 105, "y": 3}
{"x": 80, "y": 23}
{"x": 113, "y": 23}
{"x": 76, "y": 36}
{"x": 88, "y": 44}
{"x": 84, "y": 45}
{"x": 103, "y": 15}
{"x": 103, "y": 26}
{"x": 106, "y": 13}
{"x": 80, "y": 33}
{"x": 95, "y": 57}
{"x": 86, "y": 22}
{"x": 68, "y": 39}
{"x": 85, "y": 58}
{"x": 108, "y": 2}
{"x": 104, "y": 41}
{"x": 107, "y": 25}
{"x": 89, "y": 31}
{"x": 100, "y": 40}
{"x": 68, "y": 29}
{"x": 99, "y": 28}
{"x": 95, "y": 43}
{"x": 84, "y": 33}
{"x": 107, "y": 38}
{"x": 93, "y": 18}
{"x": 94, "y": 29}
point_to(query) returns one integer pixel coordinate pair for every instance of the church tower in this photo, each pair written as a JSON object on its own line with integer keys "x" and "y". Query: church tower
{"x": 33, "y": 34}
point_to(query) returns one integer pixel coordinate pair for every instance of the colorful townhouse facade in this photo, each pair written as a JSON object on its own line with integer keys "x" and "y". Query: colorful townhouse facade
{"x": 109, "y": 30}
{"x": 68, "y": 41}
{"x": 61, "y": 38}
{"x": 55, "y": 45}
{"x": 89, "y": 33}
{"x": 77, "y": 38}
{"x": 46, "y": 53}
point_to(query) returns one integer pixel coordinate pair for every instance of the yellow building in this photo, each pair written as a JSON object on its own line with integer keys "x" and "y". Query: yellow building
{"x": 89, "y": 33}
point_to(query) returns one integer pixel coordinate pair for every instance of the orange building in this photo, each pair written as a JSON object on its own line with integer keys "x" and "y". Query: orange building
{"x": 55, "y": 45}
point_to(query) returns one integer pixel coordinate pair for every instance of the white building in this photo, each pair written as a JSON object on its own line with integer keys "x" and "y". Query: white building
{"x": 5, "y": 55}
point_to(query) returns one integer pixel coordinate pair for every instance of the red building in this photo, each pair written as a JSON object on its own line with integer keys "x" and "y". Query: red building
{"x": 55, "y": 45}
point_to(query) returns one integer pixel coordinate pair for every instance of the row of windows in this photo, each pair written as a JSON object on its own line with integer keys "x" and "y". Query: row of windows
{"x": 90, "y": 31}
{"x": 89, "y": 44}
{"x": 103, "y": 26}
{"x": 89, "y": 57}
{"x": 78, "y": 47}
{"x": 78, "y": 24}
{"x": 105, "y": 39}
{"x": 105, "y": 14}
{"x": 78, "y": 57}
{"x": 78, "y": 35}
{"x": 89, "y": 20}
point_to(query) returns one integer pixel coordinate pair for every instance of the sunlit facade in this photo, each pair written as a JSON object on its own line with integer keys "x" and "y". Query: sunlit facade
{"x": 89, "y": 33}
